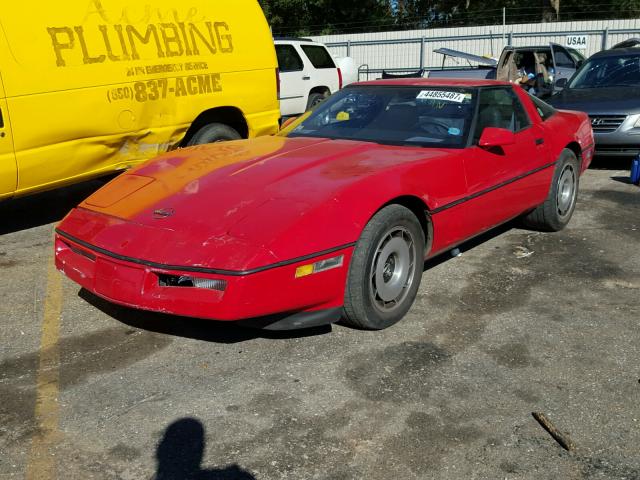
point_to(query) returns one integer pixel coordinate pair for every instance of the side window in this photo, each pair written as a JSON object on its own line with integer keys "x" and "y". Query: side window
{"x": 500, "y": 108}
{"x": 318, "y": 56}
{"x": 288, "y": 59}
{"x": 563, "y": 60}
{"x": 544, "y": 109}
{"x": 578, "y": 58}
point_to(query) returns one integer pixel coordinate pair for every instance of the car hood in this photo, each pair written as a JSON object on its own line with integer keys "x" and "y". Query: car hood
{"x": 223, "y": 205}
{"x": 614, "y": 100}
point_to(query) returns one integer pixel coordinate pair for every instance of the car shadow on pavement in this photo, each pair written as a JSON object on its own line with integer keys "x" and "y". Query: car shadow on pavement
{"x": 470, "y": 244}
{"x": 180, "y": 452}
{"x": 193, "y": 328}
{"x": 44, "y": 208}
{"x": 611, "y": 163}
{"x": 231, "y": 332}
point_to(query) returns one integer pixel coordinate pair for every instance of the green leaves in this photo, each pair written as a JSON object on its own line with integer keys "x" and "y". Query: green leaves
{"x": 318, "y": 17}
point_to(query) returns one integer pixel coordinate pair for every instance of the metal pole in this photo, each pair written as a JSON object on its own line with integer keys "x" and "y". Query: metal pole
{"x": 422, "y": 45}
{"x": 605, "y": 38}
{"x": 491, "y": 38}
{"x": 348, "y": 48}
{"x": 510, "y": 38}
{"x": 504, "y": 22}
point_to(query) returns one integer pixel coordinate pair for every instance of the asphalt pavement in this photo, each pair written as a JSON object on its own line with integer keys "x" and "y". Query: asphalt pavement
{"x": 522, "y": 322}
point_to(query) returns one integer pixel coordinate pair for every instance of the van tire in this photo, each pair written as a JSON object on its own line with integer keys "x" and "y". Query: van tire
{"x": 213, "y": 133}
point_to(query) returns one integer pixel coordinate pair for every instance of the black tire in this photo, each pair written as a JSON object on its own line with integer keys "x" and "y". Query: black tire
{"x": 212, "y": 133}
{"x": 555, "y": 213}
{"x": 374, "y": 258}
{"x": 314, "y": 99}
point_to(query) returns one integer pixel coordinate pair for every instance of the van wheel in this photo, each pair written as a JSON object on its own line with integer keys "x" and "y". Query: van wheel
{"x": 314, "y": 99}
{"x": 212, "y": 133}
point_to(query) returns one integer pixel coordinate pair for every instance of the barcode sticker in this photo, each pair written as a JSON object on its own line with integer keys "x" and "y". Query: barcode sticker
{"x": 441, "y": 95}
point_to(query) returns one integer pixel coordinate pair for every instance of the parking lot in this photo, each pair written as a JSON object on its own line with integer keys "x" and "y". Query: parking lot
{"x": 522, "y": 322}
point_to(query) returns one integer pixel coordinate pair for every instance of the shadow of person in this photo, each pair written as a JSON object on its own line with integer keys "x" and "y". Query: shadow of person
{"x": 180, "y": 452}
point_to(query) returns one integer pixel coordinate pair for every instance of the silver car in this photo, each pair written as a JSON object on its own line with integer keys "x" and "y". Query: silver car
{"x": 607, "y": 88}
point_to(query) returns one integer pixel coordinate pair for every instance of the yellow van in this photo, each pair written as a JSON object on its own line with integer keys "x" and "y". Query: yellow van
{"x": 89, "y": 87}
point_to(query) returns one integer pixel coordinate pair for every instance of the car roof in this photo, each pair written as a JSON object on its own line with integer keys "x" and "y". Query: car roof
{"x": 440, "y": 82}
{"x": 293, "y": 39}
{"x": 527, "y": 48}
{"x": 614, "y": 52}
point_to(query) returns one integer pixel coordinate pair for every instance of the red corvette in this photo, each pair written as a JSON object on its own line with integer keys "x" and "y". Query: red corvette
{"x": 334, "y": 217}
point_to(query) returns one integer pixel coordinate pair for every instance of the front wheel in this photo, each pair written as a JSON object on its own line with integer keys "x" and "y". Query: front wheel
{"x": 213, "y": 133}
{"x": 554, "y": 214}
{"x": 386, "y": 269}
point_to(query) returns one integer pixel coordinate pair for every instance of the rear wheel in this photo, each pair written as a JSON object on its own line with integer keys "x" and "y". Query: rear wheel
{"x": 385, "y": 270}
{"x": 314, "y": 99}
{"x": 555, "y": 213}
{"x": 213, "y": 133}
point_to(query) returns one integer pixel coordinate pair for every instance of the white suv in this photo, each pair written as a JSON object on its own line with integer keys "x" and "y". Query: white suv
{"x": 308, "y": 74}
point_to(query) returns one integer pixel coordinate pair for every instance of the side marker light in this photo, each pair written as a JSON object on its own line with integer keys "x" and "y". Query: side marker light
{"x": 319, "y": 266}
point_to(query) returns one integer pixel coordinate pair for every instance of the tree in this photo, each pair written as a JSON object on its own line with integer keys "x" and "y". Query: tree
{"x": 300, "y": 17}
{"x": 550, "y": 10}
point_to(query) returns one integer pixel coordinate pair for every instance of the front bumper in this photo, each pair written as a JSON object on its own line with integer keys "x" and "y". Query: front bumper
{"x": 246, "y": 296}
{"x": 623, "y": 142}
{"x": 616, "y": 150}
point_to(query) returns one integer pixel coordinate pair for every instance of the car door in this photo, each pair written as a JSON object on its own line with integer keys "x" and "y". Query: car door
{"x": 506, "y": 69}
{"x": 320, "y": 65}
{"x": 8, "y": 167}
{"x": 293, "y": 86}
{"x": 500, "y": 181}
{"x": 563, "y": 62}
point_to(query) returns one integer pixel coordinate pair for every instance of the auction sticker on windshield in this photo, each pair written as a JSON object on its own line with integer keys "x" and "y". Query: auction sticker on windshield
{"x": 441, "y": 95}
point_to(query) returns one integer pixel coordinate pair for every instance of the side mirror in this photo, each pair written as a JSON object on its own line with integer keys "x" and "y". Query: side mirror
{"x": 561, "y": 83}
{"x": 496, "y": 137}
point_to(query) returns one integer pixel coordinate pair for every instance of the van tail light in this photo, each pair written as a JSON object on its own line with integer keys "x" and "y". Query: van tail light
{"x": 278, "y": 81}
{"x": 339, "y": 79}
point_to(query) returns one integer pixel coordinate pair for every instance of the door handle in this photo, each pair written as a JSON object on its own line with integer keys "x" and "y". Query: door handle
{"x": 306, "y": 77}
{"x": 539, "y": 141}
{"x": 2, "y": 134}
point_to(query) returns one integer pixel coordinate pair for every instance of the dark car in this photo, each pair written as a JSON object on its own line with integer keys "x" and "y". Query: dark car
{"x": 607, "y": 88}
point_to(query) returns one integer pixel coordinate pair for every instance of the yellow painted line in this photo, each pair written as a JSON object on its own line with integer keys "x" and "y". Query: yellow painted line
{"x": 42, "y": 464}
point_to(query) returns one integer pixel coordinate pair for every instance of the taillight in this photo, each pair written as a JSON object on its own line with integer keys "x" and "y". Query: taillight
{"x": 339, "y": 79}
{"x": 278, "y": 81}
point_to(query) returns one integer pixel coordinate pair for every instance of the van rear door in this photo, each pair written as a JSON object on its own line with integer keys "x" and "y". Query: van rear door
{"x": 8, "y": 167}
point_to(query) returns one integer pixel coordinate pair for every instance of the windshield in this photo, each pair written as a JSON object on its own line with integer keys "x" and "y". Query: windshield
{"x": 423, "y": 116}
{"x": 618, "y": 71}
